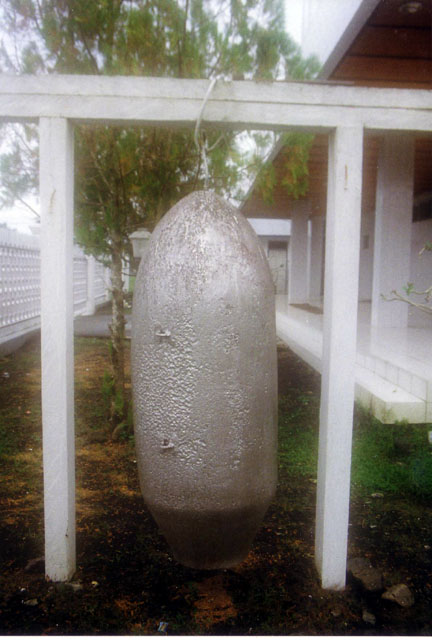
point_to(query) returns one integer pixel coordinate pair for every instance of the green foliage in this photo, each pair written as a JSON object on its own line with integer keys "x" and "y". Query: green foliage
{"x": 291, "y": 171}
{"x": 391, "y": 458}
{"x": 127, "y": 178}
{"x": 113, "y": 398}
{"x": 107, "y": 389}
{"x": 266, "y": 182}
{"x": 295, "y": 168}
{"x": 116, "y": 408}
{"x": 408, "y": 288}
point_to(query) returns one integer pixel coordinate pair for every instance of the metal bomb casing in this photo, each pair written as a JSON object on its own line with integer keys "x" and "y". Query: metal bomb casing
{"x": 205, "y": 381}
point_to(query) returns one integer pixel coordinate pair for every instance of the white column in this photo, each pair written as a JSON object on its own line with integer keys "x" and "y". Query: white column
{"x": 393, "y": 220}
{"x": 91, "y": 275}
{"x": 56, "y": 196}
{"x": 298, "y": 253}
{"x": 339, "y": 351}
{"x": 316, "y": 258}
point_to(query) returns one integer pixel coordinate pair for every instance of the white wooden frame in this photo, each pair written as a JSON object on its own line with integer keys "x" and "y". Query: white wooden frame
{"x": 57, "y": 102}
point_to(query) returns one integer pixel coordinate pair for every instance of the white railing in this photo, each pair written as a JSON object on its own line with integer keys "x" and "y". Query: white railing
{"x": 20, "y": 284}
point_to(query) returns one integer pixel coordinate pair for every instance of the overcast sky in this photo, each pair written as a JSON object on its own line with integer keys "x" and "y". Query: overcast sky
{"x": 293, "y": 15}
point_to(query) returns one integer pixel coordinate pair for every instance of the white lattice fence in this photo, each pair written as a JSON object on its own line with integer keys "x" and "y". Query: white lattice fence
{"x": 79, "y": 281}
{"x": 102, "y": 282}
{"x": 20, "y": 284}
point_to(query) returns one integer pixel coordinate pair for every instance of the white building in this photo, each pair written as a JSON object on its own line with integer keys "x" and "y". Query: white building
{"x": 373, "y": 43}
{"x": 274, "y": 235}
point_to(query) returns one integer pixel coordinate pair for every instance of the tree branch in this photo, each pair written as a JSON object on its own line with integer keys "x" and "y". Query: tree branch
{"x": 89, "y": 51}
{"x": 26, "y": 204}
{"x": 398, "y": 297}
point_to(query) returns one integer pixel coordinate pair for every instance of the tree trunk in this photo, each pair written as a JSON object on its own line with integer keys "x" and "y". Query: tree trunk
{"x": 117, "y": 330}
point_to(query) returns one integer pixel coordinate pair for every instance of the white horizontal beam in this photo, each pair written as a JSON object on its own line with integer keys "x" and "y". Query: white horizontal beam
{"x": 247, "y": 104}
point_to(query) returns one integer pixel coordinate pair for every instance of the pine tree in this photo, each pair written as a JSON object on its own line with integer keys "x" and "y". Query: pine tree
{"x": 129, "y": 177}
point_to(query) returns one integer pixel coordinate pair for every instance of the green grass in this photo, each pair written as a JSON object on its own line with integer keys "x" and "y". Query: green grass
{"x": 298, "y": 433}
{"x": 385, "y": 458}
{"x": 391, "y": 458}
{"x": 9, "y": 439}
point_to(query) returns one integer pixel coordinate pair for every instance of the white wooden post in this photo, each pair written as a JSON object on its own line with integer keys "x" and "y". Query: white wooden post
{"x": 298, "y": 252}
{"x": 56, "y": 195}
{"x": 339, "y": 351}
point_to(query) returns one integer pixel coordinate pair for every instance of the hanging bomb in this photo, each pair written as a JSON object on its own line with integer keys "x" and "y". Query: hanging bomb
{"x": 205, "y": 381}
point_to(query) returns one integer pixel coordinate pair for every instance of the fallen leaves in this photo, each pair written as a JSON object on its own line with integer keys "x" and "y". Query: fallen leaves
{"x": 214, "y": 604}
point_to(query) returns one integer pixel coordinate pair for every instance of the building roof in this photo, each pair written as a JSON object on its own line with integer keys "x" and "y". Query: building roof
{"x": 392, "y": 48}
{"x": 385, "y": 44}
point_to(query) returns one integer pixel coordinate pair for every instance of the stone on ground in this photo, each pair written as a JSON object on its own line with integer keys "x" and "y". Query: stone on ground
{"x": 400, "y": 594}
{"x": 362, "y": 570}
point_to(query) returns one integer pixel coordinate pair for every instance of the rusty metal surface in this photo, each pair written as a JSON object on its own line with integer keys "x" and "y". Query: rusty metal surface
{"x": 204, "y": 381}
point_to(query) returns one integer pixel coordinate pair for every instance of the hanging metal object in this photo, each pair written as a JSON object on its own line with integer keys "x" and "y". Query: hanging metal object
{"x": 204, "y": 381}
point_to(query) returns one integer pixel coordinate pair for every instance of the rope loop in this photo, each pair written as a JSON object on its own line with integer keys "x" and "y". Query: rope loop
{"x": 202, "y": 146}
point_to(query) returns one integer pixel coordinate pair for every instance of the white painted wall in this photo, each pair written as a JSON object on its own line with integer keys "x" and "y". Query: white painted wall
{"x": 420, "y": 265}
{"x": 298, "y": 285}
{"x": 421, "y": 270}
{"x": 270, "y": 226}
{"x": 268, "y": 230}
{"x": 277, "y": 255}
{"x": 393, "y": 226}
{"x": 316, "y": 266}
{"x": 366, "y": 257}
{"x": 272, "y": 229}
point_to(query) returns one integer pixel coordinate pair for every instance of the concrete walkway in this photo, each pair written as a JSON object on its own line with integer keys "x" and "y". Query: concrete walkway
{"x": 393, "y": 372}
{"x": 97, "y": 326}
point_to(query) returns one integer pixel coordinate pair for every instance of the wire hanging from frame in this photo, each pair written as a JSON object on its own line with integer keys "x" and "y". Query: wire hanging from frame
{"x": 202, "y": 146}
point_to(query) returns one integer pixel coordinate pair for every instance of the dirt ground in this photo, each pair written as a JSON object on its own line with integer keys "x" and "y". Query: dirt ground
{"x": 127, "y": 582}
